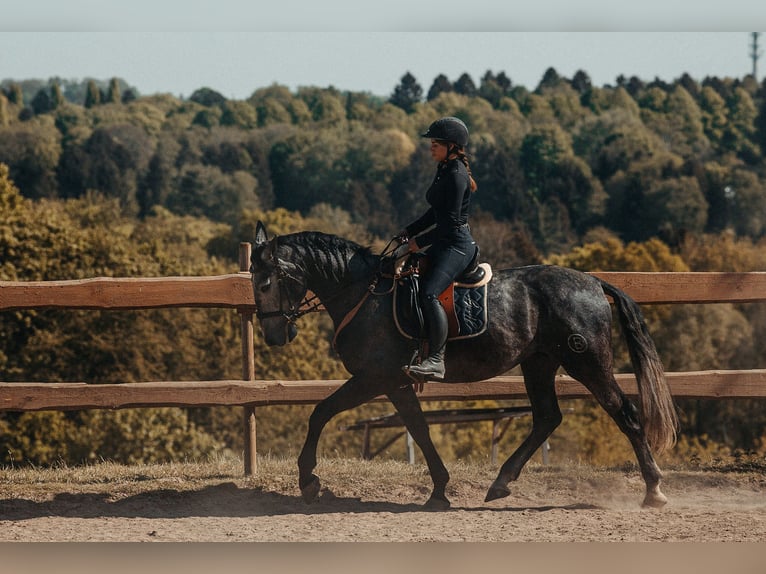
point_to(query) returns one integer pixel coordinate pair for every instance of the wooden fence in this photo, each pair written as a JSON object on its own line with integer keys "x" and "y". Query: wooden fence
{"x": 234, "y": 291}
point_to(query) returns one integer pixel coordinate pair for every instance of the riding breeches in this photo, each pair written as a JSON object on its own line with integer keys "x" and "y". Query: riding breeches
{"x": 446, "y": 263}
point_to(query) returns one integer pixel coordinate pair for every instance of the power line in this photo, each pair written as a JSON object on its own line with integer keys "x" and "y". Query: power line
{"x": 755, "y": 53}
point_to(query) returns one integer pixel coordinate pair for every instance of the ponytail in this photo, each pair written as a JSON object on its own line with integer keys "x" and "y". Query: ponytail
{"x": 464, "y": 158}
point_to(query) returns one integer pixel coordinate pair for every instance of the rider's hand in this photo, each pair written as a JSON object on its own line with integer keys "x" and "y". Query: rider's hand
{"x": 401, "y": 251}
{"x": 402, "y": 237}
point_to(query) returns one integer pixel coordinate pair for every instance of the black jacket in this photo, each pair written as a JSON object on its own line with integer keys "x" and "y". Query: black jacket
{"x": 449, "y": 197}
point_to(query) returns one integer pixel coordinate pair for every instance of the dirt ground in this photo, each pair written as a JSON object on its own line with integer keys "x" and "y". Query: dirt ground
{"x": 375, "y": 502}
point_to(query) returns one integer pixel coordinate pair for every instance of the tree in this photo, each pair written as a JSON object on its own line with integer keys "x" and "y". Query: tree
{"x": 760, "y": 125}
{"x": 713, "y": 115}
{"x": 57, "y": 97}
{"x": 41, "y": 103}
{"x": 207, "y": 97}
{"x": 158, "y": 181}
{"x": 239, "y": 114}
{"x": 16, "y": 95}
{"x": 550, "y": 79}
{"x": 677, "y": 119}
{"x": 581, "y": 82}
{"x": 465, "y": 86}
{"x": 612, "y": 141}
{"x": 129, "y": 95}
{"x": 407, "y": 93}
{"x": 439, "y": 86}
{"x": 491, "y": 90}
{"x": 92, "y": 95}
{"x": 740, "y": 133}
{"x": 4, "y": 115}
{"x": 690, "y": 85}
{"x": 204, "y": 191}
{"x": 643, "y": 205}
{"x": 113, "y": 92}
{"x": 32, "y": 151}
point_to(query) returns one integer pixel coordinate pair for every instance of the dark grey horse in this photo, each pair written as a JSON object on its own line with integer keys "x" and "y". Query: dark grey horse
{"x": 540, "y": 317}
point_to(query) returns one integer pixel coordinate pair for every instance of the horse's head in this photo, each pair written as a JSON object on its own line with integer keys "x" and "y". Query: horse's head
{"x": 278, "y": 288}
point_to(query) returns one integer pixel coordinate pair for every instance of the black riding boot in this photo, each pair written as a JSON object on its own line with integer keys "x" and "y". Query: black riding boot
{"x": 432, "y": 367}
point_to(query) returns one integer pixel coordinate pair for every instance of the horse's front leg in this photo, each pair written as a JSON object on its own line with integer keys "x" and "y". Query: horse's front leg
{"x": 352, "y": 393}
{"x": 408, "y": 406}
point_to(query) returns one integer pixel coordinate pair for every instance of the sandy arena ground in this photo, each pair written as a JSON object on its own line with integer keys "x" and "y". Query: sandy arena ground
{"x": 553, "y": 504}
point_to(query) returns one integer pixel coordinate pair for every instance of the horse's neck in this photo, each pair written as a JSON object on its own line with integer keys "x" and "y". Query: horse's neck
{"x": 337, "y": 275}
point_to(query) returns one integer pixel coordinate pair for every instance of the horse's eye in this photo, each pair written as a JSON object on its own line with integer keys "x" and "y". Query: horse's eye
{"x": 265, "y": 285}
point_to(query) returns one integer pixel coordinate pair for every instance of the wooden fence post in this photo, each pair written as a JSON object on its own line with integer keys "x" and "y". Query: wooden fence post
{"x": 248, "y": 368}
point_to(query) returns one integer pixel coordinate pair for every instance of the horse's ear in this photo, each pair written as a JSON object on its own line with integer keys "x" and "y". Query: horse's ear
{"x": 261, "y": 236}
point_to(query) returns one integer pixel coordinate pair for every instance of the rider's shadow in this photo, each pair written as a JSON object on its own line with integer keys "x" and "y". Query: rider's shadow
{"x": 222, "y": 500}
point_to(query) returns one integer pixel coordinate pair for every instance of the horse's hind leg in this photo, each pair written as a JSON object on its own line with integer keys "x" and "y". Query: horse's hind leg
{"x": 352, "y": 393}
{"x": 407, "y": 405}
{"x": 540, "y": 382}
{"x": 610, "y": 396}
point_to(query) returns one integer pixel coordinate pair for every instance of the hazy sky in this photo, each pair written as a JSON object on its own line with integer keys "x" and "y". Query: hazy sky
{"x": 235, "y": 47}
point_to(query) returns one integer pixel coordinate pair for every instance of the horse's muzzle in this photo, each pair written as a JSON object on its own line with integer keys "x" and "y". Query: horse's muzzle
{"x": 282, "y": 335}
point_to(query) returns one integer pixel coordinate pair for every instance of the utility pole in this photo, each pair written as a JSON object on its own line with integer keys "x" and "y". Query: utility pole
{"x": 755, "y": 54}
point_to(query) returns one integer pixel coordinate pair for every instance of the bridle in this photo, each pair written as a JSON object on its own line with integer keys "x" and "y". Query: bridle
{"x": 287, "y": 307}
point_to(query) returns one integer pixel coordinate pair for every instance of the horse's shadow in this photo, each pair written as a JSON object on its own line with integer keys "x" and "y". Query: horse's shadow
{"x": 222, "y": 500}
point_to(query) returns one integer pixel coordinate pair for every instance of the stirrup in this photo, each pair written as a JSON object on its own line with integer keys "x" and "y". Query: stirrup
{"x": 418, "y": 370}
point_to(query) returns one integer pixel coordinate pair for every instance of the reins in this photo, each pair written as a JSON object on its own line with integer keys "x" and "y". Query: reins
{"x": 312, "y": 304}
{"x": 370, "y": 291}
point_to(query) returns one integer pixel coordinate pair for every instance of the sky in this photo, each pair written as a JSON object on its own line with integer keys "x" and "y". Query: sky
{"x": 236, "y": 47}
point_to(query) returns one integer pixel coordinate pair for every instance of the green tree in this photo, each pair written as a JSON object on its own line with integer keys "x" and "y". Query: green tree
{"x": 325, "y": 106}
{"x": 613, "y": 140}
{"x": 581, "y": 82}
{"x": 714, "y": 121}
{"x": 239, "y": 114}
{"x": 204, "y": 191}
{"x": 407, "y": 93}
{"x": 440, "y": 85}
{"x": 740, "y": 133}
{"x": 32, "y": 150}
{"x": 465, "y": 85}
{"x": 41, "y": 103}
{"x": 57, "y": 97}
{"x": 113, "y": 93}
{"x": 92, "y": 94}
{"x": 16, "y": 95}
{"x": 207, "y": 97}
{"x": 157, "y": 184}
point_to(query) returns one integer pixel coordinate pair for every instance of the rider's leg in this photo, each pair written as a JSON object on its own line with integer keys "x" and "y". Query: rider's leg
{"x": 432, "y": 367}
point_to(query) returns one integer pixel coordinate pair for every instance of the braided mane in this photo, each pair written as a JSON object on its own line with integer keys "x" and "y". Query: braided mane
{"x": 322, "y": 256}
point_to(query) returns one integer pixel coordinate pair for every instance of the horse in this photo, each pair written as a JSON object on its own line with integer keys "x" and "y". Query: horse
{"x": 541, "y": 317}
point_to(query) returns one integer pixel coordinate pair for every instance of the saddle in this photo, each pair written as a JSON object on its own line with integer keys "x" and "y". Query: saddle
{"x": 464, "y": 301}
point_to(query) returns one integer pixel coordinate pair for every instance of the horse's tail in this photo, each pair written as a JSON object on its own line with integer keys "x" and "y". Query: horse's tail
{"x": 658, "y": 414}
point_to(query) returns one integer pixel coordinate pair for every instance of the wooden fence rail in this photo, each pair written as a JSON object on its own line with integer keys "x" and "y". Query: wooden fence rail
{"x": 234, "y": 291}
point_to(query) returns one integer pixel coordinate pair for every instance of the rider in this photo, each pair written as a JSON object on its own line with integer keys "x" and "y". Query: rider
{"x": 444, "y": 227}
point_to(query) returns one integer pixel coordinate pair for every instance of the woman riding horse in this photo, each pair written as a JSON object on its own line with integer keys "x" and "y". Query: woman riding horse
{"x": 444, "y": 230}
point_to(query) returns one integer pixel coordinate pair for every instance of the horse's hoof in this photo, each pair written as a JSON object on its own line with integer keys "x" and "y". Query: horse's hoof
{"x": 654, "y": 499}
{"x": 497, "y": 491}
{"x": 310, "y": 491}
{"x": 435, "y": 503}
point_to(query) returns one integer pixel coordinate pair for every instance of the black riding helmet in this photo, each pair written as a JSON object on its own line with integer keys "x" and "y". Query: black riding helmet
{"x": 449, "y": 129}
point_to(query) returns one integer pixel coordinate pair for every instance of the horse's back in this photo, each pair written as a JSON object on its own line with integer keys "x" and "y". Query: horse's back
{"x": 550, "y": 292}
